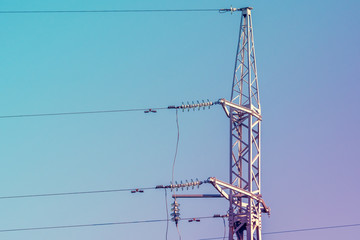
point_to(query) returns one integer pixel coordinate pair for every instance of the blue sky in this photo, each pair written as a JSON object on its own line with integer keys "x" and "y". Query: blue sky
{"x": 308, "y": 65}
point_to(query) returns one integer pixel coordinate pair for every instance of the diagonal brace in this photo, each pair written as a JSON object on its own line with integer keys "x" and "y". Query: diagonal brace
{"x": 225, "y": 103}
{"x": 220, "y": 186}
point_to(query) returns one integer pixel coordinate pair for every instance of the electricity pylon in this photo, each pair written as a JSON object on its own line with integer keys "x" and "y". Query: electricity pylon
{"x": 244, "y": 111}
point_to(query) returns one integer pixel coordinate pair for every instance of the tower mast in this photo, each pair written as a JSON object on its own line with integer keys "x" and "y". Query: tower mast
{"x": 244, "y": 112}
{"x": 245, "y": 127}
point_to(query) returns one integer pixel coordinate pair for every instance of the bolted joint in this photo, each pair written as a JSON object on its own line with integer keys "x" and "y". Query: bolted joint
{"x": 246, "y": 11}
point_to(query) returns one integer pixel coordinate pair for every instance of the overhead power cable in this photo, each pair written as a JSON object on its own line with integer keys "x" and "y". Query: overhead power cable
{"x": 167, "y": 215}
{"x": 79, "y": 113}
{"x": 313, "y": 229}
{"x": 224, "y": 228}
{"x": 176, "y": 150}
{"x": 80, "y": 225}
{"x": 92, "y": 225}
{"x": 298, "y": 230}
{"x": 175, "y": 217}
{"x": 77, "y": 193}
{"x": 188, "y": 106}
{"x": 187, "y": 184}
{"x": 108, "y": 11}
{"x": 161, "y": 220}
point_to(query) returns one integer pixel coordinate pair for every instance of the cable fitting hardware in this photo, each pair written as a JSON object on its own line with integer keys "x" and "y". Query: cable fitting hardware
{"x": 231, "y": 9}
{"x": 194, "y": 220}
{"x": 137, "y": 190}
{"x": 150, "y": 111}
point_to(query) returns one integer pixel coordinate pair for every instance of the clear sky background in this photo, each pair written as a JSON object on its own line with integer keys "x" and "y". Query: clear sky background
{"x": 308, "y": 57}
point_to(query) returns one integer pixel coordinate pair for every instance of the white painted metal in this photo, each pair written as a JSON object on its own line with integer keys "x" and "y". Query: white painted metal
{"x": 244, "y": 188}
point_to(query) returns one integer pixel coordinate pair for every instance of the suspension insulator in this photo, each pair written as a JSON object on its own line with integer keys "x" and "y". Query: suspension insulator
{"x": 175, "y": 212}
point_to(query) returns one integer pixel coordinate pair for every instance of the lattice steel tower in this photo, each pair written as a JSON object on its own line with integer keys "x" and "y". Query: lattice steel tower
{"x": 244, "y": 111}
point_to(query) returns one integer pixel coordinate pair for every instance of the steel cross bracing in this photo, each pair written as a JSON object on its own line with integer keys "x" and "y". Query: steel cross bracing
{"x": 244, "y": 188}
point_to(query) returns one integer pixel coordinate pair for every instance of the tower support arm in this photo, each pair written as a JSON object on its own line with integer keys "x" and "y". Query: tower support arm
{"x": 221, "y": 186}
{"x": 225, "y": 103}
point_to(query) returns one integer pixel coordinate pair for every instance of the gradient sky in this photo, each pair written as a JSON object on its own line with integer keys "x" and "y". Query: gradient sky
{"x": 308, "y": 57}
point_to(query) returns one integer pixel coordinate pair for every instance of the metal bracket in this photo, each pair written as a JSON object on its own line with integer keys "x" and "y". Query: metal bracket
{"x": 220, "y": 186}
{"x": 225, "y": 103}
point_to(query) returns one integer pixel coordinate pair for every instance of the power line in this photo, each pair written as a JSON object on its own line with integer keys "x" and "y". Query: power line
{"x": 188, "y": 106}
{"x": 92, "y": 225}
{"x": 79, "y": 113}
{"x": 167, "y": 215}
{"x": 132, "y": 190}
{"x": 299, "y": 230}
{"x": 75, "y": 193}
{"x": 164, "y": 220}
{"x": 108, "y": 11}
{"x": 224, "y": 228}
{"x": 314, "y": 229}
{"x": 176, "y": 149}
{"x": 80, "y": 225}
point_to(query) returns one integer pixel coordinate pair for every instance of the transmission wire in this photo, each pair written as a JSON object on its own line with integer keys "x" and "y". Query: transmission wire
{"x": 78, "y": 113}
{"x": 92, "y": 225}
{"x": 146, "y": 110}
{"x": 173, "y": 167}
{"x": 80, "y": 225}
{"x": 74, "y": 193}
{"x": 163, "y": 220}
{"x": 313, "y": 229}
{"x": 176, "y": 149}
{"x": 107, "y": 11}
{"x": 298, "y": 230}
{"x": 167, "y": 215}
{"x": 224, "y": 228}
{"x": 177, "y": 227}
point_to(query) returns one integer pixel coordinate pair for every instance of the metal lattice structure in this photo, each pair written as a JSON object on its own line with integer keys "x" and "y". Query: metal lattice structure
{"x": 244, "y": 111}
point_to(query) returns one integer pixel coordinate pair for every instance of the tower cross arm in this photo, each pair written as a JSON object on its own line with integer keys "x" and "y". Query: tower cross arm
{"x": 221, "y": 186}
{"x": 225, "y": 104}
